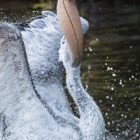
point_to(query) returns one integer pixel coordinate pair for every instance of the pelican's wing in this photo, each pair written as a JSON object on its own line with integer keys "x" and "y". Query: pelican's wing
{"x": 22, "y": 115}
{"x": 41, "y": 36}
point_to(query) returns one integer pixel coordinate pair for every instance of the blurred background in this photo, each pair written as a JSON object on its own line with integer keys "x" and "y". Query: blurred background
{"x": 111, "y": 63}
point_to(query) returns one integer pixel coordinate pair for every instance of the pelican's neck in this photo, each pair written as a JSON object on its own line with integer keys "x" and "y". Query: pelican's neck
{"x": 91, "y": 119}
{"x": 77, "y": 90}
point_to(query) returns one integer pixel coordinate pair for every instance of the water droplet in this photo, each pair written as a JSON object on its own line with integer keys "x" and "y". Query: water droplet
{"x": 107, "y": 97}
{"x": 112, "y": 88}
{"x": 113, "y": 105}
{"x": 113, "y": 74}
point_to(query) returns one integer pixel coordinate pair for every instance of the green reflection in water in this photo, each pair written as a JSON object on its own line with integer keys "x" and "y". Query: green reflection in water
{"x": 111, "y": 63}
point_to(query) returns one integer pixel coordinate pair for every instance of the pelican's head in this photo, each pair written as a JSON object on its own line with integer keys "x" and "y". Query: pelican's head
{"x": 64, "y": 54}
{"x": 85, "y": 25}
{"x": 69, "y": 20}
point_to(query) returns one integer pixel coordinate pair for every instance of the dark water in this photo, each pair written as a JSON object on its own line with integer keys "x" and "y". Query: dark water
{"x": 111, "y": 63}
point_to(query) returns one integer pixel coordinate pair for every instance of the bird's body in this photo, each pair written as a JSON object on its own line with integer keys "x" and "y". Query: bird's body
{"x": 22, "y": 114}
{"x": 28, "y": 111}
{"x": 39, "y": 110}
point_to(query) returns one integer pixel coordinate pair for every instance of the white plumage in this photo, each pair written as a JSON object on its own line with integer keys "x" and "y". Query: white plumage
{"x": 37, "y": 108}
{"x": 42, "y": 37}
{"x": 22, "y": 114}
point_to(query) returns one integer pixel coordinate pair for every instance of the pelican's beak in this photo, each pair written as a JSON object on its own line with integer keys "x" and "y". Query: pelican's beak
{"x": 69, "y": 19}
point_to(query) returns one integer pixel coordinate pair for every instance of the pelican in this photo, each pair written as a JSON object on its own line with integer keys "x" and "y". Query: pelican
{"x": 39, "y": 109}
{"x": 23, "y": 114}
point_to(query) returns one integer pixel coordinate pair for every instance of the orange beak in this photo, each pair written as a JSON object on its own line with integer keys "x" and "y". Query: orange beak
{"x": 69, "y": 19}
